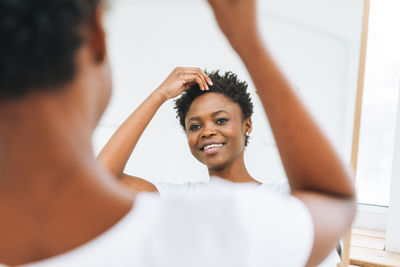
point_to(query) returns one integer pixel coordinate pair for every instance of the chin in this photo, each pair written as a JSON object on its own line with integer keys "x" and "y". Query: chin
{"x": 216, "y": 165}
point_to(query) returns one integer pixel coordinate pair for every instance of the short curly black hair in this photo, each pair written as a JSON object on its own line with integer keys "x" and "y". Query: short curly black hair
{"x": 227, "y": 84}
{"x": 38, "y": 43}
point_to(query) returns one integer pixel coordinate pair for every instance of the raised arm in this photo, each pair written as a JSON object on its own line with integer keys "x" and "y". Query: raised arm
{"x": 316, "y": 174}
{"x": 119, "y": 148}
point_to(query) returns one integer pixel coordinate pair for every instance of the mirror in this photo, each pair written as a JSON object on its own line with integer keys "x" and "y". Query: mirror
{"x": 316, "y": 43}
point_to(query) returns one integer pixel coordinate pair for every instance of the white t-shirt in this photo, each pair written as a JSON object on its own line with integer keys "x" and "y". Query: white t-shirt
{"x": 281, "y": 187}
{"x": 168, "y": 189}
{"x": 222, "y": 224}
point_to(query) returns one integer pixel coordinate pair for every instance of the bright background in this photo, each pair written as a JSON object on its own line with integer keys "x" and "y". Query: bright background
{"x": 378, "y": 122}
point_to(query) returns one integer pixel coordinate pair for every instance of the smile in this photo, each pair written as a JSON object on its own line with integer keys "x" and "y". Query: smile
{"x": 212, "y": 148}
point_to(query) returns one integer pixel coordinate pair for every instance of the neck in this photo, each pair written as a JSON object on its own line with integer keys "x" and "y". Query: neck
{"x": 43, "y": 136}
{"x": 45, "y": 142}
{"x": 234, "y": 172}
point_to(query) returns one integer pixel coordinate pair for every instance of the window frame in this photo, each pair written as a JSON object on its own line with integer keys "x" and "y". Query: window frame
{"x": 371, "y": 217}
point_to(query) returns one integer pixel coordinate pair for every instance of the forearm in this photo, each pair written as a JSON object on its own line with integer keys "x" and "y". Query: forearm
{"x": 119, "y": 148}
{"x": 117, "y": 151}
{"x": 310, "y": 161}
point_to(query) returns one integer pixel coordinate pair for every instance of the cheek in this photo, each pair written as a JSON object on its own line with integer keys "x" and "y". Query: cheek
{"x": 192, "y": 139}
{"x": 234, "y": 131}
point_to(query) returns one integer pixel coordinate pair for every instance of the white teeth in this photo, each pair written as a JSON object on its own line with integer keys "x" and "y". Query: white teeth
{"x": 212, "y": 145}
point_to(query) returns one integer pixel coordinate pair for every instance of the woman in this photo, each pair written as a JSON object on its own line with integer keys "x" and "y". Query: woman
{"x": 215, "y": 113}
{"x": 216, "y": 117}
{"x": 59, "y": 207}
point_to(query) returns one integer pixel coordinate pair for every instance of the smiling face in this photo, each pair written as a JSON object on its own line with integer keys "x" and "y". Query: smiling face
{"x": 216, "y": 130}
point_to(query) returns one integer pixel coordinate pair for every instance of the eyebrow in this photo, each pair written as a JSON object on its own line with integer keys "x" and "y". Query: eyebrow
{"x": 212, "y": 114}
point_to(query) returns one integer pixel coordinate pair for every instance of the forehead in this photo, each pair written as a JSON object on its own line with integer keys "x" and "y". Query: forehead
{"x": 209, "y": 103}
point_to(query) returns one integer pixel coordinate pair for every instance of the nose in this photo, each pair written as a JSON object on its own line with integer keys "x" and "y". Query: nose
{"x": 208, "y": 132}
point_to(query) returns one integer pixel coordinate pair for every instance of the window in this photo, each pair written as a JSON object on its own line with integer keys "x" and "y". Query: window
{"x": 378, "y": 120}
{"x": 379, "y": 150}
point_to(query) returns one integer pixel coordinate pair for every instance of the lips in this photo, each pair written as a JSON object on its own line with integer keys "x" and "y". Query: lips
{"x": 210, "y": 148}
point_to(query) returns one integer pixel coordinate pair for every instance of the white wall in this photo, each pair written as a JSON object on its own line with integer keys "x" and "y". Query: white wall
{"x": 315, "y": 41}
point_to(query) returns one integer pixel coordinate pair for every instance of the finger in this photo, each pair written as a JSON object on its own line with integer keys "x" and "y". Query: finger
{"x": 205, "y": 77}
{"x": 195, "y": 78}
{"x": 206, "y": 81}
{"x": 203, "y": 80}
{"x": 202, "y": 73}
{"x": 200, "y": 80}
{"x": 190, "y": 79}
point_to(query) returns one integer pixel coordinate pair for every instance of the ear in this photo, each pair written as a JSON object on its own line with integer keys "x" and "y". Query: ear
{"x": 248, "y": 126}
{"x": 97, "y": 36}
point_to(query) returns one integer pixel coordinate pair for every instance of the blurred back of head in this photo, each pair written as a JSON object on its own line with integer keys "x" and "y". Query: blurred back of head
{"x": 38, "y": 43}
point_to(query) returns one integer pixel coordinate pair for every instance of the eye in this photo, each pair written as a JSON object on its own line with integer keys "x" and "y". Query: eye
{"x": 194, "y": 127}
{"x": 221, "y": 120}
